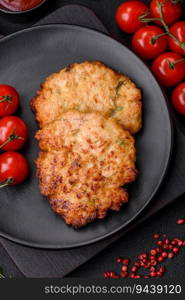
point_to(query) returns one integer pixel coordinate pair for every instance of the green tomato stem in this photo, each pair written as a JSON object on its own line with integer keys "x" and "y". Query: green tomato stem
{"x": 182, "y": 45}
{"x": 146, "y": 20}
{"x": 172, "y": 64}
{"x": 6, "y": 98}
{"x": 9, "y": 181}
{"x": 155, "y": 38}
{"x": 178, "y": 61}
{"x": 161, "y": 19}
{"x": 12, "y": 137}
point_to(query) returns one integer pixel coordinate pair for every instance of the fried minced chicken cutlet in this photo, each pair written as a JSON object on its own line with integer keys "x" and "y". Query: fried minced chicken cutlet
{"x": 89, "y": 86}
{"x": 85, "y": 158}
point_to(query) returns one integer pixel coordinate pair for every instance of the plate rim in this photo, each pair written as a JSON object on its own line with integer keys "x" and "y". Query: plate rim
{"x": 170, "y": 146}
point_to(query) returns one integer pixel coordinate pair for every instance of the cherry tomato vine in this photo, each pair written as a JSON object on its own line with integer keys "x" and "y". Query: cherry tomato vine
{"x": 143, "y": 19}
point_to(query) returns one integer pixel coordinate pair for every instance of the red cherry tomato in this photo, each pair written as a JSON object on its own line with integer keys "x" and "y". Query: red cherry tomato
{"x": 172, "y": 10}
{"x": 13, "y": 168}
{"x": 9, "y": 100}
{"x": 169, "y": 68}
{"x": 13, "y": 133}
{"x": 128, "y": 14}
{"x": 149, "y": 41}
{"x": 178, "y": 30}
{"x": 178, "y": 98}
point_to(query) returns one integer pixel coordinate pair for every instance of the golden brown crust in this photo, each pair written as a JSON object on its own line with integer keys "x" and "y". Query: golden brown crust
{"x": 85, "y": 160}
{"x": 80, "y": 213}
{"x": 89, "y": 86}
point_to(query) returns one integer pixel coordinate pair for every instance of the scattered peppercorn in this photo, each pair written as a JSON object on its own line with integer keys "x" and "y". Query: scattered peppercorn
{"x": 125, "y": 261}
{"x": 153, "y": 262}
{"x": 150, "y": 260}
{"x": 156, "y": 236}
{"x": 134, "y": 269}
{"x": 160, "y": 258}
{"x": 167, "y": 241}
{"x": 153, "y": 252}
{"x": 176, "y": 250}
{"x": 153, "y": 274}
{"x": 171, "y": 255}
{"x": 159, "y": 243}
{"x": 124, "y": 268}
{"x": 181, "y": 221}
{"x": 164, "y": 254}
{"x": 124, "y": 274}
{"x": 119, "y": 260}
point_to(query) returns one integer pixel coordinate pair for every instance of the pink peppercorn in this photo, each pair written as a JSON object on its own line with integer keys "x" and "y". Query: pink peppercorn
{"x": 181, "y": 221}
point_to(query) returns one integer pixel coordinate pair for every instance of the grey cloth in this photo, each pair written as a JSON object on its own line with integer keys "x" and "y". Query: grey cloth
{"x": 35, "y": 263}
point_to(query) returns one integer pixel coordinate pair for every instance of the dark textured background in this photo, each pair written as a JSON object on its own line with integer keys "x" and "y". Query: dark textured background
{"x": 141, "y": 238}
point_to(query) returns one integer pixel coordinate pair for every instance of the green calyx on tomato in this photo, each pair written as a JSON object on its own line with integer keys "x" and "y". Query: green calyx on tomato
{"x": 13, "y": 133}
{"x": 169, "y": 68}
{"x": 149, "y": 41}
{"x": 11, "y": 138}
{"x": 155, "y": 38}
{"x": 9, "y": 181}
{"x": 172, "y": 64}
{"x": 6, "y": 98}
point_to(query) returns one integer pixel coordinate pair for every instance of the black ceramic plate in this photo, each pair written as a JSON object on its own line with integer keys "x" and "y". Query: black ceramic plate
{"x": 26, "y": 58}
